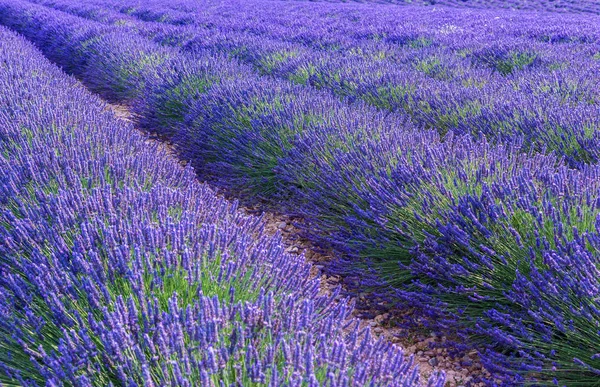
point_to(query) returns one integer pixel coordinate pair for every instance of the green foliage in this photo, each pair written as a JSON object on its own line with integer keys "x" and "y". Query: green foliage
{"x": 514, "y": 62}
{"x": 171, "y": 106}
{"x": 269, "y": 63}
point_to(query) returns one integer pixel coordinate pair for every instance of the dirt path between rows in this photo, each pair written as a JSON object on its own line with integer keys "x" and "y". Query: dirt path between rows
{"x": 428, "y": 348}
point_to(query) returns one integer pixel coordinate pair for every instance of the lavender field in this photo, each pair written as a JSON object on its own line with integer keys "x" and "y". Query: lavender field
{"x": 440, "y": 159}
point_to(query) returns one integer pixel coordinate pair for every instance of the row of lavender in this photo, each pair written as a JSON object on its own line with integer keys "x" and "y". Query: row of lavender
{"x": 118, "y": 268}
{"x": 504, "y": 75}
{"x": 561, "y": 6}
{"x": 325, "y": 26}
{"x": 502, "y": 243}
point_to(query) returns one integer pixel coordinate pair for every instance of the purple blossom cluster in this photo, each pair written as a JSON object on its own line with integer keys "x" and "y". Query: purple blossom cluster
{"x": 466, "y": 216}
{"x": 558, "y": 6}
{"x": 118, "y": 268}
{"x": 505, "y": 75}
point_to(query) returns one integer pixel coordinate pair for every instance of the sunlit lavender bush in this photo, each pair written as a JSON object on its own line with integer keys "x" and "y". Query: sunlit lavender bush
{"x": 118, "y": 268}
{"x": 506, "y": 75}
{"x": 443, "y": 188}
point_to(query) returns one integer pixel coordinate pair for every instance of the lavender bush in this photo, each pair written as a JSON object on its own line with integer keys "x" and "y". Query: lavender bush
{"x": 514, "y": 75}
{"x": 118, "y": 268}
{"x": 497, "y": 241}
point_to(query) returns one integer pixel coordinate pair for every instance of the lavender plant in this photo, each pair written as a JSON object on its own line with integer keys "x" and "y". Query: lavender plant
{"x": 461, "y": 72}
{"x": 499, "y": 242}
{"x": 118, "y": 268}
